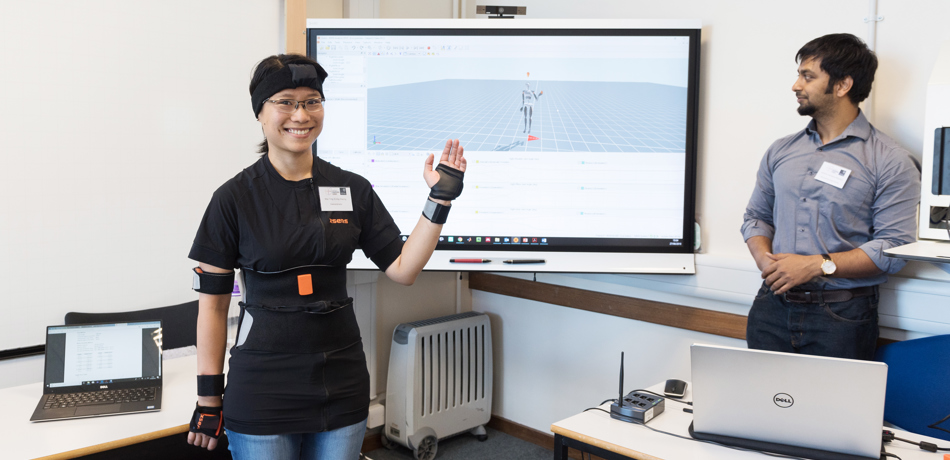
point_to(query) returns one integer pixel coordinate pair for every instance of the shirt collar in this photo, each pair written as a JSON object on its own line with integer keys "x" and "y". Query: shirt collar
{"x": 272, "y": 172}
{"x": 859, "y": 128}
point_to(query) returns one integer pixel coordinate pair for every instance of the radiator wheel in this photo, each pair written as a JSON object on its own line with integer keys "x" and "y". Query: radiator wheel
{"x": 427, "y": 448}
{"x": 386, "y": 442}
{"x": 479, "y": 432}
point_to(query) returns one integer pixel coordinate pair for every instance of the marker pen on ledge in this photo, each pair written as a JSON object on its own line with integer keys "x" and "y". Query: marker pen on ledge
{"x": 525, "y": 261}
{"x": 470, "y": 261}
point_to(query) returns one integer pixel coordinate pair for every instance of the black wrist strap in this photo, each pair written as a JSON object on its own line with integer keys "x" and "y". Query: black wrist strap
{"x": 435, "y": 212}
{"x": 211, "y": 385}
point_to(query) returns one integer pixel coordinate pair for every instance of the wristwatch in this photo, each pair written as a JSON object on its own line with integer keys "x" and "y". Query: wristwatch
{"x": 828, "y": 267}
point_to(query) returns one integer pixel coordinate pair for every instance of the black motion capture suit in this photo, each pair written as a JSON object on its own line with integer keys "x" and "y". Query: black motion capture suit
{"x": 298, "y": 364}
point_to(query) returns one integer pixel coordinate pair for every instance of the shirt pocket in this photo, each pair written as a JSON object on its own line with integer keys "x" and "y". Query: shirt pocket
{"x": 847, "y": 209}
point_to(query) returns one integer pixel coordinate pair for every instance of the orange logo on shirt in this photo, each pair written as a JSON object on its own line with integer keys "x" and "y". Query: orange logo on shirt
{"x": 339, "y": 221}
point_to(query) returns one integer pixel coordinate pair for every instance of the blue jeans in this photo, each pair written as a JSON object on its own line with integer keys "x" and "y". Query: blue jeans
{"x": 840, "y": 329}
{"x": 339, "y": 444}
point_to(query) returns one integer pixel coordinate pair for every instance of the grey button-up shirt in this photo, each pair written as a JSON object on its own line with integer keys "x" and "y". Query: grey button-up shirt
{"x": 875, "y": 210}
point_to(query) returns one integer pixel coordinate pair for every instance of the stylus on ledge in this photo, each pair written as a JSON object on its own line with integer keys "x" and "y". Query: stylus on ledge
{"x": 525, "y": 261}
{"x": 470, "y": 261}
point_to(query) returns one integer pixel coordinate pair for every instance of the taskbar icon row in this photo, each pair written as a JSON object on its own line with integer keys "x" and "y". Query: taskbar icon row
{"x": 492, "y": 240}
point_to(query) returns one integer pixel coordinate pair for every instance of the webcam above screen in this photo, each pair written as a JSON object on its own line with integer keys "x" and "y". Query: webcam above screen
{"x": 501, "y": 11}
{"x": 580, "y": 135}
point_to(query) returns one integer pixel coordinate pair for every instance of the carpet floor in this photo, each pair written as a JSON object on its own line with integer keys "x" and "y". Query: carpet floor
{"x": 499, "y": 446}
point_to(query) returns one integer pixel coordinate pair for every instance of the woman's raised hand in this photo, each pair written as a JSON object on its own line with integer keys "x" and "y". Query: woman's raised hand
{"x": 453, "y": 156}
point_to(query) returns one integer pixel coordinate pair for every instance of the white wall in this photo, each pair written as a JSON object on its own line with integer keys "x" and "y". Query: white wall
{"x": 552, "y": 362}
{"x": 121, "y": 119}
{"x": 387, "y": 8}
{"x": 415, "y": 9}
{"x": 324, "y": 8}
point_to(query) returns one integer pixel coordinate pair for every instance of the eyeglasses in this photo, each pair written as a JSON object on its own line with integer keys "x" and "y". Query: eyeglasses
{"x": 290, "y": 105}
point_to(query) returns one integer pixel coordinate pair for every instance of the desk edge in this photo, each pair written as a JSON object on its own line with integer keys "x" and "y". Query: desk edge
{"x": 117, "y": 443}
{"x": 602, "y": 444}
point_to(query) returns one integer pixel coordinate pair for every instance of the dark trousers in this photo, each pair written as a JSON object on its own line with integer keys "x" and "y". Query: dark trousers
{"x": 838, "y": 329}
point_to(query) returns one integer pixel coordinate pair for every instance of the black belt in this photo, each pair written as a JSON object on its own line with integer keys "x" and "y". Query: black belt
{"x": 301, "y": 310}
{"x": 296, "y": 286}
{"x": 818, "y": 296}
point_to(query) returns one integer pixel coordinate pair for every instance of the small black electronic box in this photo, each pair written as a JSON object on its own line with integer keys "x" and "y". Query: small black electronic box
{"x": 637, "y": 406}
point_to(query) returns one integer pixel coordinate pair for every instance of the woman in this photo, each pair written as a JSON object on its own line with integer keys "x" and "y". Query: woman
{"x": 298, "y": 385}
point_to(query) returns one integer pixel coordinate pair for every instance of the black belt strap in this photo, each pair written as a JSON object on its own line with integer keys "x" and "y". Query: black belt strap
{"x": 819, "y": 296}
{"x": 300, "y": 310}
{"x": 297, "y": 286}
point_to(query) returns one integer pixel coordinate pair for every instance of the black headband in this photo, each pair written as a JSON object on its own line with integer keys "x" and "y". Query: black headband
{"x": 291, "y": 76}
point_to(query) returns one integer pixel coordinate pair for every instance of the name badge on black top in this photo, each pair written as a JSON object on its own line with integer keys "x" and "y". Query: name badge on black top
{"x": 335, "y": 199}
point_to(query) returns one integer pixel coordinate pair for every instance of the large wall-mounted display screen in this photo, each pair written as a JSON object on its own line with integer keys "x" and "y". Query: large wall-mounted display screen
{"x": 580, "y": 136}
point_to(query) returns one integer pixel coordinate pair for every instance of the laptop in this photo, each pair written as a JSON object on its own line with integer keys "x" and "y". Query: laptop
{"x": 792, "y": 404}
{"x": 101, "y": 369}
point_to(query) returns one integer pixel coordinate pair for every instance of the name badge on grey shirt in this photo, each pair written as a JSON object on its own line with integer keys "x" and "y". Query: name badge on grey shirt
{"x": 833, "y": 174}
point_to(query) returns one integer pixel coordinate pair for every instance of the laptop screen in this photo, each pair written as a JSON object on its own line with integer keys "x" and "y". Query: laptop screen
{"x": 93, "y": 355}
{"x": 815, "y": 402}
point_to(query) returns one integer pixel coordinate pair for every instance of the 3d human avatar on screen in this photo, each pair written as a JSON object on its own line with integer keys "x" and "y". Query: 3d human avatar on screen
{"x": 528, "y": 96}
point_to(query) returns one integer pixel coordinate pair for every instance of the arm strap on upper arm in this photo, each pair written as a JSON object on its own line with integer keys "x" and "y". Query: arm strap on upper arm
{"x": 213, "y": 283}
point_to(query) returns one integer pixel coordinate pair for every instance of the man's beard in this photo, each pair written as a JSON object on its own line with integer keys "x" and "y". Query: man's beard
{"x": 807, "y": 110}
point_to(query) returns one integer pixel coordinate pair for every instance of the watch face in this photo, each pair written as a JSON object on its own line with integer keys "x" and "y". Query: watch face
{"x": 828, "y": 267}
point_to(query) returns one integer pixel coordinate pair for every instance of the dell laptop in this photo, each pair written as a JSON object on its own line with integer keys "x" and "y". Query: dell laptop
{"x": 800, "y": 405}
{"x": 101, "y": 369}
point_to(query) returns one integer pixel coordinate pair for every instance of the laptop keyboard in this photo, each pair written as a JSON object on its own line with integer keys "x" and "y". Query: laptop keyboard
{"x": 99, "y": 397}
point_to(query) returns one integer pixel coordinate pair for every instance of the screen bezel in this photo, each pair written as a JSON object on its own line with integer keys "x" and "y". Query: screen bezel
{"x": 627, "y": 258}
{"x": 115, "y": 385}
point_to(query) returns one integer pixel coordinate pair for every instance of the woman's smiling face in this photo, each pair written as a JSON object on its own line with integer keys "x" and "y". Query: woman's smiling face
{"x": 291, "y": 133}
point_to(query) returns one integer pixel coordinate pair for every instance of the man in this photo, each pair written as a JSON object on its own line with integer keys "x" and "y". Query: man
{"x": 828, "y": 201}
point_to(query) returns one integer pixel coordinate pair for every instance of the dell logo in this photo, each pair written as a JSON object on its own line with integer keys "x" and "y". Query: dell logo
{"x": 783, "y": 400}
{"x": 103, "y": 387}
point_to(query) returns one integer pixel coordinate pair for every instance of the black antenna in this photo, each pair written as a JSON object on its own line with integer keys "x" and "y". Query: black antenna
{"x": 620, "y": 397}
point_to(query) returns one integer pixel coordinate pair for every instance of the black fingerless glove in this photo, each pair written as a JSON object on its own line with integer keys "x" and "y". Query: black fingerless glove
{"x": 449, "y": 186}
{"x": 207, "y": 420}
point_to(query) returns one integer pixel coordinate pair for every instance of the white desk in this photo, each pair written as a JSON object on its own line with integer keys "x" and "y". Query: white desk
{"x": 22, "y": 439}
{"x": 626, "y": 440}
{"x": 926, "y": 251}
